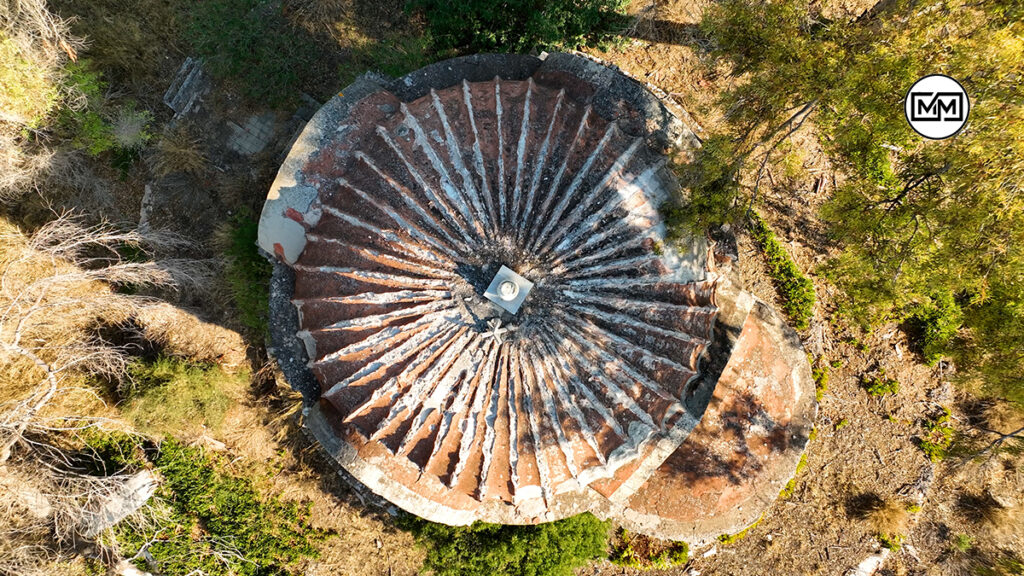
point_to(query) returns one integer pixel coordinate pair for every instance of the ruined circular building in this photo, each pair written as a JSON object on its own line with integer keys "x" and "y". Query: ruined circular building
{"x": 476, "y": 293}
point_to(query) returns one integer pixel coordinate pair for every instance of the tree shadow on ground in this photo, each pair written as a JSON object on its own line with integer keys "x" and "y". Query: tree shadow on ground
{"x": 668, "y": 32}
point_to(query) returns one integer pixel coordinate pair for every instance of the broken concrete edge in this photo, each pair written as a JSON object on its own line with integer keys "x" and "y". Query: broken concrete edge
{"x": 284, "y": 347}
{"x": 758, "y": 505}
{"x": 473, "y": 68}
{"x": 290, "y": 205}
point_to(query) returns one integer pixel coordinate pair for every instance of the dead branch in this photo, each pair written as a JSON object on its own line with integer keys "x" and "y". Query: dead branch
{"x": 803, "y": 114}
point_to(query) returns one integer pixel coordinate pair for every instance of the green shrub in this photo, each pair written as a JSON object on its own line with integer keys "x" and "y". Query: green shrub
{"x": 880, "y": 385}
{"x": 991, "y": 349}
{"x": 821, "y": 375}
{"x": 936, "y": 322}
{"x": 248, "y": 275}
{"x": 713, "y": 189}
{"x": 249, "y": 40}
{"x": 625, "y": 554}
{"x": 913, "y": 217}
{"x": 893, "y": 542}
{"x": 795, "y": 289}
{"x": 87, "y": 127}
{"x": 519, "y": 25}
{"x": 206, "y": 521}
{"x": 842, "y": 424}
{"x": 170, "y": 396}
{"x": 553, "y": 549}
{"x": 938, "y": 437}
{"x": 677, "y": 555}
{"x": 96, "y": 126}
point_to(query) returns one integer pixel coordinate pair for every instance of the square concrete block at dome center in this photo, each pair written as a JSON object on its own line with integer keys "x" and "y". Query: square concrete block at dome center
{"x": 493, "y": 293}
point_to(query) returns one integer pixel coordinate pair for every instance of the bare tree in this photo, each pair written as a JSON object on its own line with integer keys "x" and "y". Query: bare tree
{"x": 54, "y": 294}
{"x": 57, "y": 288}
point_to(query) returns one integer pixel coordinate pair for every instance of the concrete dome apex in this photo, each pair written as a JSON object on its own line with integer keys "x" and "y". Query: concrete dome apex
{"x": 404, "y": 203}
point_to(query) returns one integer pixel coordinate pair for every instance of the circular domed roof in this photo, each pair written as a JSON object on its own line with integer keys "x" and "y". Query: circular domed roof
{"x": 414, "y": 221}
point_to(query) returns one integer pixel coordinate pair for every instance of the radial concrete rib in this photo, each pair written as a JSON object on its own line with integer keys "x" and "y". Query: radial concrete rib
{"x": 395, "y": 210}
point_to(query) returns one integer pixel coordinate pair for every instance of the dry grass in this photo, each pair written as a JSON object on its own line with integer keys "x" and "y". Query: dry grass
{"x": 982, "y": 509}
{"x": 891, "y": 517}
{"x": 181, "y": 333}
{"x": 1003, "y": 416}
{"x": 43, "y": 511}
{"x": 28, "y": 89}
{"x": 132, "y": 41}
{"x": 34, "y": 46}
{"x": 178, "y": 150}
{"x": 55, "y": 296}
{"x": 19, "y": 166}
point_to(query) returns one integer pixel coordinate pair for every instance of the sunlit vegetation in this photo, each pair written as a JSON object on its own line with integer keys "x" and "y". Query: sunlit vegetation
{"x": 930, "y": 230}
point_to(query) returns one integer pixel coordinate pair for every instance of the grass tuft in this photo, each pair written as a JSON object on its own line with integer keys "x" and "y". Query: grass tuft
{"x": 248, "y": 275}
{"x": 938, "y": 437}
{"x": 878, "y": 386}
{"x": 632, "y": 551}
{"x": 821, "y": 375}
{"x": 177, "y": 150}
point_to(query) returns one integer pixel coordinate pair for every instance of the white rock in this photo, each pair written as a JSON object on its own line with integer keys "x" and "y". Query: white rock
{"x": 871, "y": 564}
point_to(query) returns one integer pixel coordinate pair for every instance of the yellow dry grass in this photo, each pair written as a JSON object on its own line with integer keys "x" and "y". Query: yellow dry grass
{"x": 67, "y": 314}
{"x": 28, "y": 87}
{"x": 889, "y": 518}
{"x": 181, "y": 333}
{"x": 178, "y": 150}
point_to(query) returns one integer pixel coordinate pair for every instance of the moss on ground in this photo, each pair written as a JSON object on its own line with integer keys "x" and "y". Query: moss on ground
{"x": 552, "y": 549}
{"x": 795, "y": 289}
{"x": 168, "y": 395}
{"x": 203, "y": 518}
